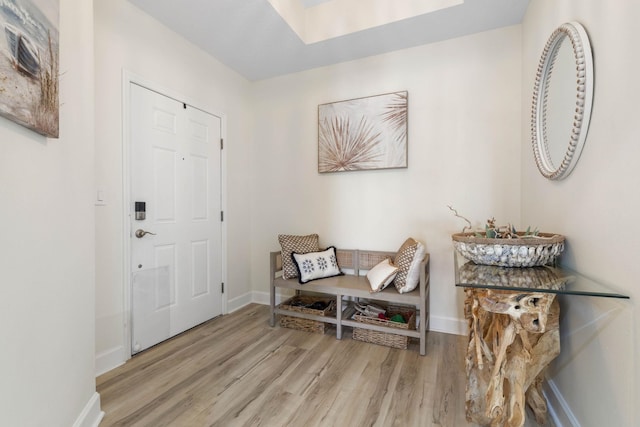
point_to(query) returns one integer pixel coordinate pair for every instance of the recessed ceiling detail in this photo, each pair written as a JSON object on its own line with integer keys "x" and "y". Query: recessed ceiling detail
{"x": 311, "y": 3}
{"x": 318, "y": 20}
{"x": 252, "y": 37}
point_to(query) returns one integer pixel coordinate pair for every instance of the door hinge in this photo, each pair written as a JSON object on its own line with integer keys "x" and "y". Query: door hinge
{"x": 184, "y": 105}
{"x": 221, "y": 216}
{"x": 222, "y": 287}
{"x": 221, "y": 144}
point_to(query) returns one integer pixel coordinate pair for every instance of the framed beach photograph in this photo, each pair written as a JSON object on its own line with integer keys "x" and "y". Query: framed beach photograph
{"x": 363, "y": 134}
{"x": 29, "y": 67}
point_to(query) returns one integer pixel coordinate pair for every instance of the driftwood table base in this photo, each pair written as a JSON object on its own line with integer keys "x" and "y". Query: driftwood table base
{"x": 512, "y": 338}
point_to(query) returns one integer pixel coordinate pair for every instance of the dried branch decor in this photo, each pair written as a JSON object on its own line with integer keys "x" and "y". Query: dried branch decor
{"x": 504, "y": 246}
{"x": 364, "y": 133}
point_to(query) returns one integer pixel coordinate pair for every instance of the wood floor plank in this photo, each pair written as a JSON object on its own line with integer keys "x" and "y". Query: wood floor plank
{"x": 237, "y": 371}
{"x": 408, "y": 397}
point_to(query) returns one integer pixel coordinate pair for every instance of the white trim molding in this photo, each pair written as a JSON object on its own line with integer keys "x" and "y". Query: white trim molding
{"x": 91, "y": 414}
{"x": 237, "y": 303}
{"x": 559, "y": 410}
{"x": 110, "y": 359}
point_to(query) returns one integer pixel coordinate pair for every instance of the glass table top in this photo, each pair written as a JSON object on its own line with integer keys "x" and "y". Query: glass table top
{"x": 531, "y": 279}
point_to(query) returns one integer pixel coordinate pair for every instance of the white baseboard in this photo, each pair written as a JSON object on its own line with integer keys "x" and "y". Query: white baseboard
{"x": 110, "y": 359}
{"x": 91, "y": 414}
{"x": 559, "y": 410}
{"x": 260, "y": 297}
{"x": 239, "y": 302}
{"x": 448, "y": 325}
{"x": 263, "y": 297}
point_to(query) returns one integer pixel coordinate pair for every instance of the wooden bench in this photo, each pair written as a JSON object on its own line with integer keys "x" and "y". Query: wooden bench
{"x": 354, "y": 285}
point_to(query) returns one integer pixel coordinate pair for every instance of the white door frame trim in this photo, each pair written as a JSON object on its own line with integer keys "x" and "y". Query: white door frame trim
{"x": 129, "y": 78}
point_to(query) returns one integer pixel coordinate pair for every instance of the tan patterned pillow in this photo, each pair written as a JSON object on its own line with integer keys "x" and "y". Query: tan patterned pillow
{"x": 408, "y": 260}
{"x": 298, "y": 244}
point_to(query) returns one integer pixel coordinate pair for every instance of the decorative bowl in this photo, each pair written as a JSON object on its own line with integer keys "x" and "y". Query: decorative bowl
{"x": 544, "y": 278}
{"x": 526, "y": 251}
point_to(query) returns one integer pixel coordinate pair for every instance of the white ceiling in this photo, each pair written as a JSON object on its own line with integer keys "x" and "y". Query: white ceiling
{"x": 251, "y": 37}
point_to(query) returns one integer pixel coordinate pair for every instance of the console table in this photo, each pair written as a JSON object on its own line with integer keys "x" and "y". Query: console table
{"x": 513, "y": 320}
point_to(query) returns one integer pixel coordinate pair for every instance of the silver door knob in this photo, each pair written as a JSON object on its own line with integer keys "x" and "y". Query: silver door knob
{"x": 140, "y": 233}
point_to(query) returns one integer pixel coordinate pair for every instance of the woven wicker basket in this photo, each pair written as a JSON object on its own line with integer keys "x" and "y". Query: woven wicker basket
{"x": 385, "y": 338}
{"x": 306, "y": 324}
{"x": 523, "y": 252}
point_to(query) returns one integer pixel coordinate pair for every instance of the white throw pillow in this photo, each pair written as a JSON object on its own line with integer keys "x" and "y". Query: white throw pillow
{"x": 381, "y": 275}
{"x": 316, "y": 265}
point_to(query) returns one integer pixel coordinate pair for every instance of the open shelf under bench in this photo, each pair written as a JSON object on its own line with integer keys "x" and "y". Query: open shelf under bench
{"x": 354, "y": 285}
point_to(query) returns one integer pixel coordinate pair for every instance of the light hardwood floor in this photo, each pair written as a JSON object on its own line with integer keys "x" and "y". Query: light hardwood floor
{"x": 237, "y": 371}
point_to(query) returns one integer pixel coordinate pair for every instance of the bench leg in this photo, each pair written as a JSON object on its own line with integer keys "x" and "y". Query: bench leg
{"x": 424, "y": 315}
{"x": 339, "y": 317}
{"x": 272, "y": 305}
{"x": 423, "y": 336}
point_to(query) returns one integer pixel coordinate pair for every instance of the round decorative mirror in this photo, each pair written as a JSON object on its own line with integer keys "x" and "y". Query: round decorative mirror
{"x": 562, "y": 99}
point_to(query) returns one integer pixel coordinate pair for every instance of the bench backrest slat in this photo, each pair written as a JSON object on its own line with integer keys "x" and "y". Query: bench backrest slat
{"x": 369, "y": 259}
{"x": 351, "y": 260}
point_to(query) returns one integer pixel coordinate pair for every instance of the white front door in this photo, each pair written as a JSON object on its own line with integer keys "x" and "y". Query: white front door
{"x": 176, "y": 268}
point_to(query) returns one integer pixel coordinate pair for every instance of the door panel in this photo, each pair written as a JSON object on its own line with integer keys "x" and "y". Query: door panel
{"x": 200, "y": 185}
{"x": 165, "y": 257}
{"x": 200, "y": 267}
{"x": 175, "y": 169}
{"x": 164, "y": 184}
{"x": 150, "y": 298}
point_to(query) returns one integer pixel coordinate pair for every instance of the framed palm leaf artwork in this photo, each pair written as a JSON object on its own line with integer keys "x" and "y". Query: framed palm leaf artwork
{"x": 29, "y": 67}
{"x": 363, "y": 133}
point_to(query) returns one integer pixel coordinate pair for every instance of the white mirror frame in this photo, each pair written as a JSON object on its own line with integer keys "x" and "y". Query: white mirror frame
{"x": 576, "y": 34}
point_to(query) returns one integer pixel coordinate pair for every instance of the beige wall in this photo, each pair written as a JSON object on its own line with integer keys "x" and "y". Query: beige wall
{"x": 596, "y": 208}
{"x": 127, "y": 39}
{"x": 464, "y": 132}
{"x": 46, "y": 259}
